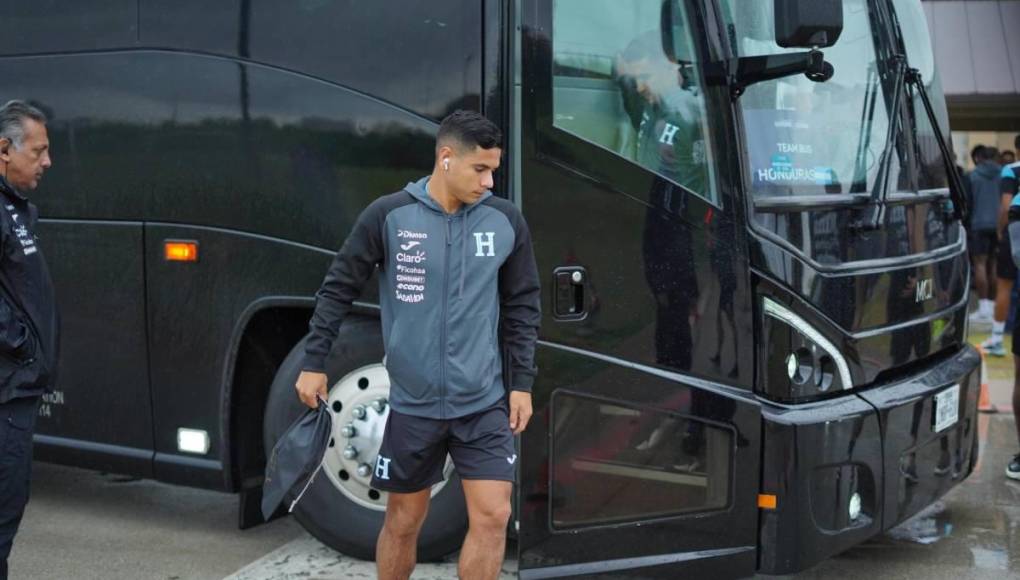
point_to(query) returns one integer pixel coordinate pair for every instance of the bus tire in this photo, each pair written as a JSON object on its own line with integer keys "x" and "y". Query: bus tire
{"x": 329, "y": 513}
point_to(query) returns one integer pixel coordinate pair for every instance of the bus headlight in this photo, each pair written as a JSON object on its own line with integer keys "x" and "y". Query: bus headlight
{"x": 799, "y": 362}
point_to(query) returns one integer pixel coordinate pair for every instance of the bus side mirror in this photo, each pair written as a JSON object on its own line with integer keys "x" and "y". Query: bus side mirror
{"x": 808, "y": 23}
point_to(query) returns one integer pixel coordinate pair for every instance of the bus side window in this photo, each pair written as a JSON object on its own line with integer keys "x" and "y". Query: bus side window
{"x": 32, "y": 27}
{"x": 613, "y": 86}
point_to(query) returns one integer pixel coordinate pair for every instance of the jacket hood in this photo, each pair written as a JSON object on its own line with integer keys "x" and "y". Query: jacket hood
{"x": 988, "y": 170}
{"x": 419, "y": 189}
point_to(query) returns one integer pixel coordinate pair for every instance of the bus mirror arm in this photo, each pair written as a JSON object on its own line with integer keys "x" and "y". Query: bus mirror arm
{"x": 955, "y": 181}
{"x": 740, "y": 73}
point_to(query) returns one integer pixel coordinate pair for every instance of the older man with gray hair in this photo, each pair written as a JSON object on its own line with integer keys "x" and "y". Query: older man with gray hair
{"x": 28, "y": 315}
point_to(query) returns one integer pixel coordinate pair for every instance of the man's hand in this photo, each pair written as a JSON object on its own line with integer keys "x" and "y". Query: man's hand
{"x": 520, "y": 411}
{"x": 310, "y": 384}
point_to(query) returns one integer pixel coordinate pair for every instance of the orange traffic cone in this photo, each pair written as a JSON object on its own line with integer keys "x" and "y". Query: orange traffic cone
{"x": 984, "y": 403}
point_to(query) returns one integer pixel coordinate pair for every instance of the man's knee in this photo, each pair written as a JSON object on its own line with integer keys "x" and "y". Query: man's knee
{"x": 405, "y": 515}
{"x": 493, "y": 517}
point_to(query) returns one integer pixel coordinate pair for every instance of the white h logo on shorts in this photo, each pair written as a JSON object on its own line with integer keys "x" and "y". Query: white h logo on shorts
{"x": 489, "y": 243}
{"x": 382, "y": 467}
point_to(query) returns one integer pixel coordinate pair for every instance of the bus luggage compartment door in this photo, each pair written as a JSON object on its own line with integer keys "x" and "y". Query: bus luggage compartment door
{"x": 636, "y": 471}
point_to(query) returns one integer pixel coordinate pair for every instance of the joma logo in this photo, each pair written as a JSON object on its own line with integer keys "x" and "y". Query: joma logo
{"x": 923, "y": 291}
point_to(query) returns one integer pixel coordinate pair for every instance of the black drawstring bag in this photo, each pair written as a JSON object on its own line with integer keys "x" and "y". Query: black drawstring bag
{"x": 296, "y": 458}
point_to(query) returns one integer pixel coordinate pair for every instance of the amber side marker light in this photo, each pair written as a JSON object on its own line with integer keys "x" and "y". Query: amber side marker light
{"x": 766, "y": 501}
{"x": 181, "y": 251}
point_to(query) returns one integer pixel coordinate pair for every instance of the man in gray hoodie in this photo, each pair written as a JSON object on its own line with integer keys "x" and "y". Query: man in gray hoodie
{"x": 982, "y": 237}
{"x": 457, "y": 281}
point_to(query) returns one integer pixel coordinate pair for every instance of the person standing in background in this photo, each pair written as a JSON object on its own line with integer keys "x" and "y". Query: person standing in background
{"x": 982, "y": 236}
{"x": 1005, "y": 269}
{"x": 1007, "y": 157}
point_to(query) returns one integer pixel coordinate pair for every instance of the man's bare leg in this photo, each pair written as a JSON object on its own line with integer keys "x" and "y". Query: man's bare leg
{"x": 1003, "y": 290}
{"x": 488, "y": 504}
{"x": 980, "y": 270}
{"x": 397, "y": 549}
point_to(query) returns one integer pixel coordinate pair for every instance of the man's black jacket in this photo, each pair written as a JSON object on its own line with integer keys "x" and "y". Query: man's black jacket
{"x": 29, "y": 323}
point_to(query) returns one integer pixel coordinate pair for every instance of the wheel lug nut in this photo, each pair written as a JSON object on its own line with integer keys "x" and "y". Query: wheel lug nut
{"x": 359, "y": 412}
{"x": 364, "y": 470}
{"x": 350, "y": 452}
{"x": 379, "y": 405}
{"x": 349, "y": 431}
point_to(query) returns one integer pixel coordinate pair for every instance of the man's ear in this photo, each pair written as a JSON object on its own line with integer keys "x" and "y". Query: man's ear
{"x": 5, "y": 149}
{"x": 445, "y": 152}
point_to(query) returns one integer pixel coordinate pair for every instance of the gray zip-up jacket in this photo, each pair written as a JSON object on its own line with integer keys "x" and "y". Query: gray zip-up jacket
{"x": 448, "y": 284}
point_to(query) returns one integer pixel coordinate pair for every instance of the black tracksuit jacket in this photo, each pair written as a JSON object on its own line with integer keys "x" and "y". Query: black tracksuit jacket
{"x": 29, "y": 324}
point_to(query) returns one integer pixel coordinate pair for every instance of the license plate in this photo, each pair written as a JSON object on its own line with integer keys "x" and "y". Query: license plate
{"x": 947, "y": 408}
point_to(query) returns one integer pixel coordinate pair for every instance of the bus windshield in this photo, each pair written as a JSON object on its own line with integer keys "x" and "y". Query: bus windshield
{"x": 810, "y": 138}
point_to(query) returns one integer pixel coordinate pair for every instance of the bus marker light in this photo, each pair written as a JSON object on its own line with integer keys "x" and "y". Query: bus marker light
{"x": 181, "y": 251}
{"x": 767, "y": 501}
{"x": 193, "y": 441}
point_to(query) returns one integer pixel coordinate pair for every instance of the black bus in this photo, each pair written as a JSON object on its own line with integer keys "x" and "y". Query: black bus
{"x": 752, "y": 354}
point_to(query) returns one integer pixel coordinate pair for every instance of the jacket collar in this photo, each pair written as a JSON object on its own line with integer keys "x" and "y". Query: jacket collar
{"x": 10, "y": 191}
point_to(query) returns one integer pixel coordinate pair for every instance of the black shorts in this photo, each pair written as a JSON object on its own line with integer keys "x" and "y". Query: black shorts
{"x": 1005, "y": 268}
{"x": 414, "y": 449}
{"x": 981, "y": 242}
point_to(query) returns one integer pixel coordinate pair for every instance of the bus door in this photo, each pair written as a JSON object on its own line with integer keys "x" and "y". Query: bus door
{"x": 643, "y": 453}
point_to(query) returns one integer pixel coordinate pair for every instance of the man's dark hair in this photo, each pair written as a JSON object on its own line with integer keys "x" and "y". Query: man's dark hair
{"x": 1016, "y": 142}
{"x": 988, "y": 154}
{"x": 468, "y": 129}
{"x": 975, "y": 153}
{"x": 12, "y": 120}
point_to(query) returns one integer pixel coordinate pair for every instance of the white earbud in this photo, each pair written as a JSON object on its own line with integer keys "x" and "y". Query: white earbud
{"x": 446, "y": 164}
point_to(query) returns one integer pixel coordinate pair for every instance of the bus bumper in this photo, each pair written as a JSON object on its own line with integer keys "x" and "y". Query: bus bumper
{"x": 877, "y": 449}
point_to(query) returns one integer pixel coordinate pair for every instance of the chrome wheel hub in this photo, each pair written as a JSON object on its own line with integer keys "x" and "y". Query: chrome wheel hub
{"x": 360, "y": 406}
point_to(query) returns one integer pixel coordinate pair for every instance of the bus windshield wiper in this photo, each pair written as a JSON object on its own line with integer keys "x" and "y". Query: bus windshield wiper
{"x": 881, "y": 189}
{"x": 955, "y": 181}
{"x": 864, "y": 132}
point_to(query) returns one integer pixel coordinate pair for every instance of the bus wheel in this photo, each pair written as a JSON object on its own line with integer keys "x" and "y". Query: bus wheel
{"x": 340, "y": 508}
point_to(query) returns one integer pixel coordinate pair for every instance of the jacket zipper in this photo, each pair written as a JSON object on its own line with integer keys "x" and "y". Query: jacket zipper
{"x": 446, "y": 299}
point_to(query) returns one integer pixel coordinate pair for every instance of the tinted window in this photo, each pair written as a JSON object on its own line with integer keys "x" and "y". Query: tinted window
{"x": 203, "y": 140}
{"x": 424, "y": 56}
{"x": 614, "y": 86}
{"x": 55, "y": 25}
{"x": 615, "y": 463}
{"x": 191, "y": 24}
{"x": 122, "y": 122}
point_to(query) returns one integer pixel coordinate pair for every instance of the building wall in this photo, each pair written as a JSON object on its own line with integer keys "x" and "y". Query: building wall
{"x": 977, "y": 49}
